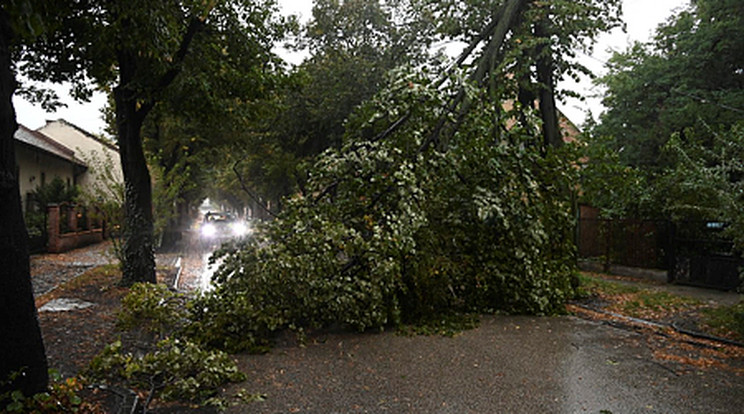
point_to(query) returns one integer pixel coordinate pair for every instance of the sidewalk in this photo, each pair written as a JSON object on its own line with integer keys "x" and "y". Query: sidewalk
{"x": 656, "y": 280}
{"x": 49, "y": 270}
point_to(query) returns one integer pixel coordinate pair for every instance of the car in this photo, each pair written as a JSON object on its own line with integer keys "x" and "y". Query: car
{"x": 219, "y": 226}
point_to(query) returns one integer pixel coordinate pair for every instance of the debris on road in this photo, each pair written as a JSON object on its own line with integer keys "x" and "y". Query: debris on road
{"x": 65, "y": 305}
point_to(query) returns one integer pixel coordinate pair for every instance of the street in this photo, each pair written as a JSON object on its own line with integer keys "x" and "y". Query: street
{"x": 510, "y": 364}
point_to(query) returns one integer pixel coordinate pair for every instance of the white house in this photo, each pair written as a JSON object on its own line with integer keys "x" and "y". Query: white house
{"x": 100, "y": 155}
{"x": 40, "y": 159}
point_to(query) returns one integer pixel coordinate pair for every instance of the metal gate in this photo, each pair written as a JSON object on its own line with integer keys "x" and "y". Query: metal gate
{"x": 703, "y": 256}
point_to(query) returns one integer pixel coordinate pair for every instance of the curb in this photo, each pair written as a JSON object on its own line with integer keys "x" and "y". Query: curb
{"x": 178, "y": 273}
{"x": 674, "y": 326}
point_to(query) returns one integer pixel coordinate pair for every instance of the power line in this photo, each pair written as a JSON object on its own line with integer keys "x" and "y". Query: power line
{"x": 708, "y": 101}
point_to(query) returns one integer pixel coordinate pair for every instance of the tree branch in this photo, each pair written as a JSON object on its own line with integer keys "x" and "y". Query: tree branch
{"x": 504, "y": 20}
{"x": 196, "y": 24}
{"x": 249, "y": 192}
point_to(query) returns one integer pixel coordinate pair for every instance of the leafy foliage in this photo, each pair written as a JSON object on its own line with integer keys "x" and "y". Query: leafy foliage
{"x": 706, "y": 181}
{"x": 176, "y": 368}
{"x": 53, "y": 192}
{"x": 573, "y": 27}
{"x": 352, "y": 46}
{"x": 390, "y": 232}
{"x": 225, "y": 89}
{"x": 61, "y": 396}
{"x": 669, "y": 144}
{"x": 689, "y": 76}
{"x": 56, "y": 191}
{"x": 152, "y": 307}
{"x": 442, "y": 196}
{"x": 617, "y": 189}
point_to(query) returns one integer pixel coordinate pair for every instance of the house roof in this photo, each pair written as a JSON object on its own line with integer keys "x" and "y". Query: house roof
{"x": 44, "y": 143}
{"x": 96, "y": 138}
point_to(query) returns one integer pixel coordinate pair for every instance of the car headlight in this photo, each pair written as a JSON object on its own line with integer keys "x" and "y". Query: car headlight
{"x": 239, "y": 229}
{"x": 208, "y": 230}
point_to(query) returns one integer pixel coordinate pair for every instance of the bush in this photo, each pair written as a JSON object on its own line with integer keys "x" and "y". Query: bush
{"x": 62, "y": 396}
{"x": 173, "y": 367}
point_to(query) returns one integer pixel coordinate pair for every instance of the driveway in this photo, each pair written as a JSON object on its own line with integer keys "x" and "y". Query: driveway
{"x": 507, "y": 365}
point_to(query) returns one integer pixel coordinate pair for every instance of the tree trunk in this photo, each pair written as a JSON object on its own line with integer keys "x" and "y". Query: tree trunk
{"x": 131, "y": 109}
{"x": 548, "y": 110}
{"x": 21, "y": 345}
{"x": 139, "y": 253}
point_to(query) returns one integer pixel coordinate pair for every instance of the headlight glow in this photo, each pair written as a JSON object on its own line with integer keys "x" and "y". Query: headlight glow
{"x": 239, "y": 229}
{"x": 208, "y": 230}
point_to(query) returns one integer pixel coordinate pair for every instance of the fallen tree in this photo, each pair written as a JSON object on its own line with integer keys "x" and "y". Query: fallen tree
{"x": 442, "y": 199}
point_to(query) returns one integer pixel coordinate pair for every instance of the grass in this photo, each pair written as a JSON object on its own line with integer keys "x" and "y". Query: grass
{"x": 649, "y": 303}
{"x": 594, "y": 285}
{"x": 726, "y": 321}
{"x": 104, "y": 277}
{"x": 632, "y": 300}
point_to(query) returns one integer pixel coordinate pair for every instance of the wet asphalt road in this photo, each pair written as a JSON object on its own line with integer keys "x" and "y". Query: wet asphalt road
{"x": 507, "y": 365}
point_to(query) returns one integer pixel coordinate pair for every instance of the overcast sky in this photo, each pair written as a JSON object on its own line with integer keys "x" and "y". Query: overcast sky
{"x": 641, "y": 16}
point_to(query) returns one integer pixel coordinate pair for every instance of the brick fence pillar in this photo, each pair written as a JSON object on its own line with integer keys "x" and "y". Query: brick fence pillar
{"x": 72, "y": 220}
{"x": 53, "y": 243}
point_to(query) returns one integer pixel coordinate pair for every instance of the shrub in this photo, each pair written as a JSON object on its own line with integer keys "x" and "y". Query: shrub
{"x": 62, "y": 396}
{"x": 173, "y": 366}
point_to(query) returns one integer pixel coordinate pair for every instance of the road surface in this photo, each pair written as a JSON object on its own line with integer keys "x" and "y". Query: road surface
{"x": 510, "y": 364}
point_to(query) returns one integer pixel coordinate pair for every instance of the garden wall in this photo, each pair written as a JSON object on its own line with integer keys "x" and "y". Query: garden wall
{"x": 69, "y": 228}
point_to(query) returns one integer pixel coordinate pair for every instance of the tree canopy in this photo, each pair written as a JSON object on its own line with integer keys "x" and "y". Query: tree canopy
{"x": 137, "y": 49}
{"x": 690, "y": 75}
{"x": 352, "y": 45}
{"x": 667, "y": 144}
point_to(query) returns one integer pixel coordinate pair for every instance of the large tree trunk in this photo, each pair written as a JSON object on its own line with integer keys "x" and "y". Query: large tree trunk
{"x": 131, "y": 109}
{"x": 548, "y": 110}
{"x": 21, "y": 345}
{"x": 139, "y": 252}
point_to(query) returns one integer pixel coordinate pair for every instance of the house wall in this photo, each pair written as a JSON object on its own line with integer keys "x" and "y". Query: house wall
{"x": 34, "y": 164}
{"x": 91, "y": 150}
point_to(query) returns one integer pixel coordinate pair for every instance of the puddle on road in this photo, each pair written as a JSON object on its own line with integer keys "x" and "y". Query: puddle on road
{"x": 65, "y": 305}
{"x": 205, "y": 278}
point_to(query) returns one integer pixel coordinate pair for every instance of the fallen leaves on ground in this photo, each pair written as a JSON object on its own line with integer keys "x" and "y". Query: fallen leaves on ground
{"x": 666, "y": 343}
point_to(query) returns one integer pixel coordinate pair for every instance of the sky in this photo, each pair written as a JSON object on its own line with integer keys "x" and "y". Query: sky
{"x": 641, "y": 17}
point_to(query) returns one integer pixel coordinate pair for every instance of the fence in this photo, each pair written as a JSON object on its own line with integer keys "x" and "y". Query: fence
{"x": 693, "y": 252}
{"x": 704, "y": 256}
{"x": 70, "y": 226}
{"x": 626, "y": 242}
